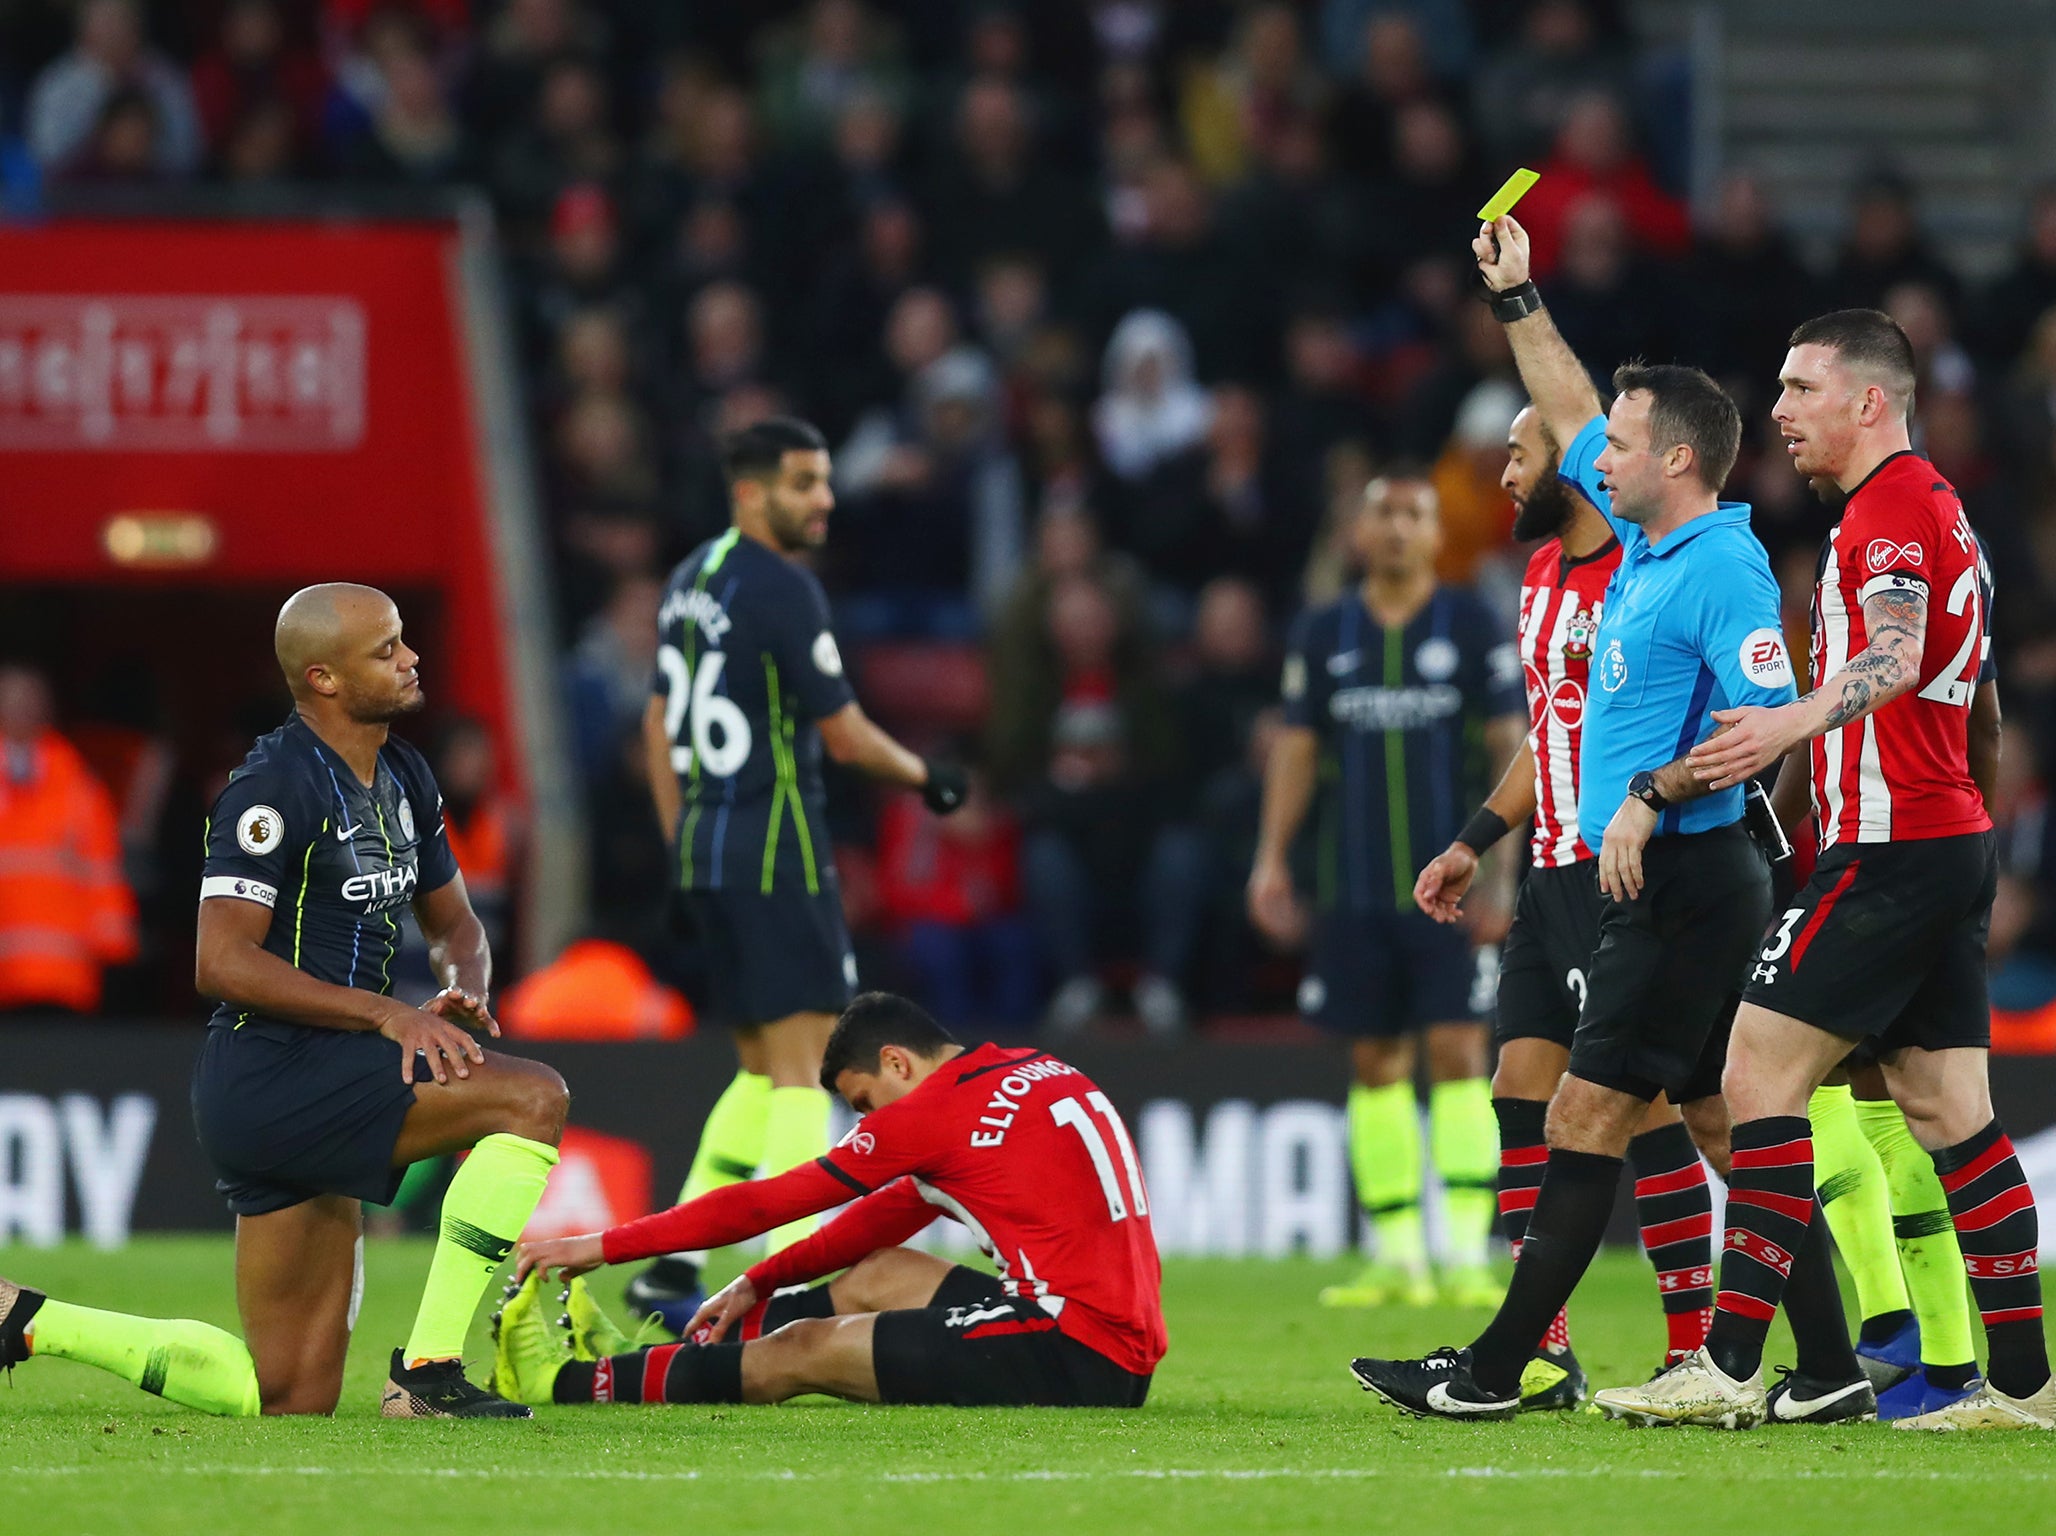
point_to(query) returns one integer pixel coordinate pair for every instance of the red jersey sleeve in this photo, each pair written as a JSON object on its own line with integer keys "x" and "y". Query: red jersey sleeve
{"x": 903, "y": 1137}
{"x": 1901, "y": 543}
{"x": 881, "y": 1220}
{"x": 727, "y": 1215}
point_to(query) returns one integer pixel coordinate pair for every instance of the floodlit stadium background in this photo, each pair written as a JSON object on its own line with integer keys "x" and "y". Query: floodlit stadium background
{"x": 1107, "y": 309}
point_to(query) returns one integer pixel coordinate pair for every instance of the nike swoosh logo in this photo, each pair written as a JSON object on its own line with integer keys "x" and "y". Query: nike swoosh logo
{"x": 344, "y": 834}
{"x": 1440, "y": 1399}
{"x": 1813, "y": 1405}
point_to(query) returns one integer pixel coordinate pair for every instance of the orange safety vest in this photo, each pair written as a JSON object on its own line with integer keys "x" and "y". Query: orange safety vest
{"x": 65, "y": 909}
{"x": 482, "y": 846}
{"x": 595, "y": 990}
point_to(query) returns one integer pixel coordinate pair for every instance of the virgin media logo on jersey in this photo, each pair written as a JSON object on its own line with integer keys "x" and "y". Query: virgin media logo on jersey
{"x": 1883, "y": 553}
{"x": 1567, "y": 704}
{"x": 158, "y": 373}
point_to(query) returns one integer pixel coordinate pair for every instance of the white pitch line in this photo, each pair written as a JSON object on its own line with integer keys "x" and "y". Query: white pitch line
{"x": 1051, "y": 1475}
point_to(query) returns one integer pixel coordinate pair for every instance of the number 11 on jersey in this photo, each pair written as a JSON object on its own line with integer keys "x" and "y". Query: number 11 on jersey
{"x": 694, "y": 699}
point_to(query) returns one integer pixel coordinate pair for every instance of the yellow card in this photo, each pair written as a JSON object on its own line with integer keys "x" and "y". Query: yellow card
{"x": 1500, "y": 203}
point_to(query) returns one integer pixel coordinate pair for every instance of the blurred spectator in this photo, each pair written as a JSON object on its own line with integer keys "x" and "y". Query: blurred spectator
{"x": 1150, "y": 410}
{"x": 415, "y": 136}
{"x": 1067, "y": 544}
{"x": 1941, "y": 366}
{"x": 870, "y": 343}
{"x": 123, "y": 147}
{"x": 1523, "y": 94}
{"x": 255, "y": 73}
{"x": 935, "y": 505}
{"x": 1885, "y": 248}
{"x": 950, "y": 889}
{"x": 724, "y": 338}
{"x": 1595, "y": 157}
{"x": 836, "y": 52}
{"x": 567, "y": 139}
{"x": 1748, "y": 289}
{"x": 1084, "y": 739}
{"x": 607, "y": 676}
{"x": 2007, "y": 311}
{"x": 603, "y": 454}
{"x": 1608, "y": 301}
{"x": 69, "y": 103}
{"x": 1390, "y": 73}
{"x": 1234, "y": 110}
{"x": 260, "y": 148}
{"x": 1475, "y": 517}
{"x": 1426, "y": 201}
{"x": 66, "y": 912}
{"x": 523, "y": 40}
{"x": 994, "y": 194}
{"x": 1322, "y": 402}
{"x": 1230, "y": 682}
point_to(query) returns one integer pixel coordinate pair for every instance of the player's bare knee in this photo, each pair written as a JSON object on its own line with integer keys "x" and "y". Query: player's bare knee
{"x": 1707, "y": 1120}
{"x": 538, "y": 1102}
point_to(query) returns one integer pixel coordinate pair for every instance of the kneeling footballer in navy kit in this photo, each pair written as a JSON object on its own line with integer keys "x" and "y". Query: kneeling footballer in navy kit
{"x": 315, "y": 1088}
{"x": 749, "y": 690}
{"x": 1402, "y": 702}
{"x": 1021, "y": 1148}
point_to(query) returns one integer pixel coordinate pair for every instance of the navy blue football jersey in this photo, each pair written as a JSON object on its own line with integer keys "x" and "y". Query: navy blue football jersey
{"x": 1401, "y": 718}
{"x": 746, "y": 663}
{"x": 336, "y": 861}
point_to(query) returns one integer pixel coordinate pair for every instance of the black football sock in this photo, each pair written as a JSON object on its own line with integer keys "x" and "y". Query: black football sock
{"x": 1523, "y": 1154}
{"x": 1770, "y": 1205}
{"x": 1999, "y": 1232}
{"x": 1564, "y": 1232}
{"x": 784, "y": 1306}
{"x": 967, "y": 1287}
{"x": 1674, "y": 1208}
{"x": 667, "y": 1373}
{"x": 1813, "y": 1306}
{"x": 1885, "y": 1326}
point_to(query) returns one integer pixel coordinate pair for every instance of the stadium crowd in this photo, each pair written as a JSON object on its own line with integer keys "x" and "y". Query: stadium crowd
{"x": 1110, "y": 308}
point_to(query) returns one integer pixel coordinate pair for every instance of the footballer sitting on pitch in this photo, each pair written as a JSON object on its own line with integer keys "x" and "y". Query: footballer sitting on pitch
{"x": 1021, "y": 1148}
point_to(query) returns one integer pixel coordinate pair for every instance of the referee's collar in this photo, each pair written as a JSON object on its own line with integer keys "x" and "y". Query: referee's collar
{"x": 1726, "y": 514}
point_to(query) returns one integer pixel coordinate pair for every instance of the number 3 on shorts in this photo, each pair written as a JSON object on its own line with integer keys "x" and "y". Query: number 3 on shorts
{"x": 1775, "y": 950}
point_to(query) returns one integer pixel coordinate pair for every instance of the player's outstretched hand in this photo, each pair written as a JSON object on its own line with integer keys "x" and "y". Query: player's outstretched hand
{"x": 462, "y": 1007}
{"x": 569, "y": 1257}
{"x": 445, "y": 1046}
{"x": 1440, "y": 890}
{"x": 720, "y": 1312}
{"x": 1746, "y": 740}
{"x": 1504, "y": 264}
{"x": 946, "y": 788}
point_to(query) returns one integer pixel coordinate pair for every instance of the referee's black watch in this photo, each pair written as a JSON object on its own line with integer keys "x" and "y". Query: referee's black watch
{"x": 1643, "y": 787}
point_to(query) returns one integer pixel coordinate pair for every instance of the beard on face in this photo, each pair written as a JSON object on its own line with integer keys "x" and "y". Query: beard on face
{"x": 393, "y": 706}
{"x": 1544, "y": 513}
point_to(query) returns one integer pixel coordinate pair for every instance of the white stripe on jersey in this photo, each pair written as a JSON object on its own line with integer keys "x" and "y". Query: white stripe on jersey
{"x": 1834, "y": 628}
{"x": 1873, "y": 793}
{"x": 1563, "y": 751}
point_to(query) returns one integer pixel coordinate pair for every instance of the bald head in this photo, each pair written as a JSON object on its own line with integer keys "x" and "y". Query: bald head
{"x": 339, "y": 643}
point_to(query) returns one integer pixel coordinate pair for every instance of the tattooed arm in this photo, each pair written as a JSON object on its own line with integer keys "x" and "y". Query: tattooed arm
{"x": 1896, "y": 621}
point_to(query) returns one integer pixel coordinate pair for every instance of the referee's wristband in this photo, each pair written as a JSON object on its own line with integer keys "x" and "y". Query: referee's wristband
{"x": 1515, "y": 303}
{"x": 1485, "y": 828}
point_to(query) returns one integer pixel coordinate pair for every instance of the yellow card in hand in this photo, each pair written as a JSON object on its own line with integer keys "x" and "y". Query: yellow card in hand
{"x": 1501, "y": 202}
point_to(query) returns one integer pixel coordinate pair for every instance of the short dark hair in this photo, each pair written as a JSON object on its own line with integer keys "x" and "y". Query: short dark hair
{"x": 1686, "y": 406}
{"x": 871, "y": 1023}
{"x": 1870, "y": 344}
{"x": 757, "y": 451}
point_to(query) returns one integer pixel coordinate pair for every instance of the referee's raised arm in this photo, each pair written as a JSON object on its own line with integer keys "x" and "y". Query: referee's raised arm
{"x": 1556, "y": 381}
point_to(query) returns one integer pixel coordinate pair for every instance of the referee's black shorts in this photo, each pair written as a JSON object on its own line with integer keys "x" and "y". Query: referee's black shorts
{"x": 1885, "y": 945}
{"x": 1547, "y": 957}
{"x": 1668, "y": 970}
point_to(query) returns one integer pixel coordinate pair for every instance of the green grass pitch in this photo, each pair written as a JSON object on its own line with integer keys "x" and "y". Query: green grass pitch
{"x": 1253, "y": 1426}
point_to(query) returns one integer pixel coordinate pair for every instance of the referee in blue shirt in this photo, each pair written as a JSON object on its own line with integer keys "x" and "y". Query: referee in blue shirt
{"x": 1690, "y": 625}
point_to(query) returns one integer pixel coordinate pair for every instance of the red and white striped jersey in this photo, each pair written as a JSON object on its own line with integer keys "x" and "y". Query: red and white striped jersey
{"x": 1561, "y": 599}
{"x": 1902, "y": 772}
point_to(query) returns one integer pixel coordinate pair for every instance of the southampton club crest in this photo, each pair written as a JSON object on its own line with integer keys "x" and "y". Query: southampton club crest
{"x": 1578, "y": 632}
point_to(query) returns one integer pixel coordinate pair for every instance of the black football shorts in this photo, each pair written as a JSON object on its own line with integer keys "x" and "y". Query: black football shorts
{"x": 1001, "y": 1353}
{"x": 1886, "y": 944}
{"x": 1545, "y": 962}
{"x": 770, "y": 956}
